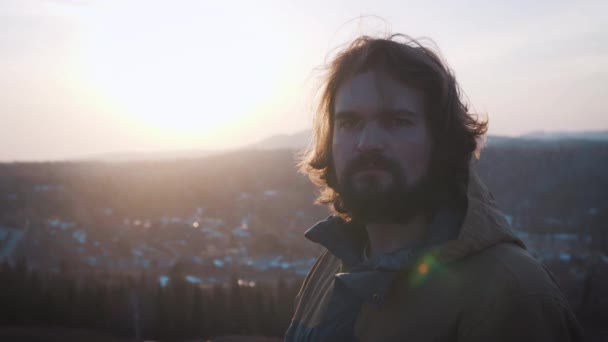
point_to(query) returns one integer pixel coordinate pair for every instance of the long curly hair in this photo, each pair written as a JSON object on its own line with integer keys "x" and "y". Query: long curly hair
{"x": 454, "y": 131}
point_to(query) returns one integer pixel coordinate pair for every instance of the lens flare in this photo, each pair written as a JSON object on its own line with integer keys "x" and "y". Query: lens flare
{"x": 423, "y": 268}
{"x": 426, "y": 266}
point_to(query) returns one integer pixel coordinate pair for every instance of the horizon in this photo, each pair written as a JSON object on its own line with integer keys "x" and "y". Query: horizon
{"x": 270, "y": 143}
{"x": 91, "y": 78}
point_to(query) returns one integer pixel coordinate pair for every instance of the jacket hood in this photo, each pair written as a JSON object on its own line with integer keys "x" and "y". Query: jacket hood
{"x": 483, "y": 226}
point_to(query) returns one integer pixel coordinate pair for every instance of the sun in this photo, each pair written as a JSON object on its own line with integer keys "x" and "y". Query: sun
{"x": 176, "y": 75}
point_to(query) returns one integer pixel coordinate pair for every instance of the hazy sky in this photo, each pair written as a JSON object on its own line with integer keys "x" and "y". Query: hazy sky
{"x": 83, "y": 78}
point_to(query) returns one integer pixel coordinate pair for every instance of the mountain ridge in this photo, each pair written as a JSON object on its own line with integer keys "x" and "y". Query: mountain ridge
{"x": 301, "y": 139}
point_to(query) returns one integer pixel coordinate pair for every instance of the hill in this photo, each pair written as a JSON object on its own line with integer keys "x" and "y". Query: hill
{"x": 237, "y": 218}
{"x": 554, "y": 136}
{"x": 255, "y": 199}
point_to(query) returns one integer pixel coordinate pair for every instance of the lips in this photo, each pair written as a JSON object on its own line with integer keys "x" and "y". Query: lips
{"x": 371, "y": 167}
{"x": 372, "y": 164}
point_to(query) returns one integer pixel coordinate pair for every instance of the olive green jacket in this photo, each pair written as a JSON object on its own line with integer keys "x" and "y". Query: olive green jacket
{"x": 472, "y": 280}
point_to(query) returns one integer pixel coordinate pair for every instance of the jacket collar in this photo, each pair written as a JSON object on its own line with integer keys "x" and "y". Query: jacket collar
{"x": 345, "y": 240}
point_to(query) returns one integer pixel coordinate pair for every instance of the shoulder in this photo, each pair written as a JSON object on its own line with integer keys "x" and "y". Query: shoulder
{"x": 511, "y": 269}
{"x": 316, "y": 288}
{"x": 325, "y": 265}
{"x": 321, "y": 271}
{"x": 516, "y": 298}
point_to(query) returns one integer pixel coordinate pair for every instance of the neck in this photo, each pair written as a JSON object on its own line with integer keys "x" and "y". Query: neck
{"x": 389, "y": 237}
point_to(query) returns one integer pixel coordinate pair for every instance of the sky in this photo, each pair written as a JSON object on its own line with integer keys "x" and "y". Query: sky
{"x": 83, "y": 78}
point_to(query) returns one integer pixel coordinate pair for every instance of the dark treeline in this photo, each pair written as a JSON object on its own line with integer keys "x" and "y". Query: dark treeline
{"x": 140, "y": 308}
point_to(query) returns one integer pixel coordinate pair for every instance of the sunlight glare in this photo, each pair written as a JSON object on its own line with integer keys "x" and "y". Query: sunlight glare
{"x": 178, "y": 75}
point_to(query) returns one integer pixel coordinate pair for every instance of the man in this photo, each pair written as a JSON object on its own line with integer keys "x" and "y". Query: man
{"x": 417, "y": 249}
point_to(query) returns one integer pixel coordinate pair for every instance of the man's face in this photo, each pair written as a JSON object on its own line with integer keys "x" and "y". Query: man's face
{"x": 381, "y": 147}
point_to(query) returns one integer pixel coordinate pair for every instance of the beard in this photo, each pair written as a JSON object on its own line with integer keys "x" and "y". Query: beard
{"x": 375, "y": 201}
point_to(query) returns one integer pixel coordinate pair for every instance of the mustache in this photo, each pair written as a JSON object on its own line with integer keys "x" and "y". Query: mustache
{"x": 377, "y": 160}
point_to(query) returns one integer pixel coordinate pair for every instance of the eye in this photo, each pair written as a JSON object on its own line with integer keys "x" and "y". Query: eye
{"x": 399, "y": 121}
{"x": 348, "y": 123}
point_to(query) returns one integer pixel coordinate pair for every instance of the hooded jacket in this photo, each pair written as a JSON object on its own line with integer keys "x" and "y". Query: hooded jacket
{"x": 472, "y": 280}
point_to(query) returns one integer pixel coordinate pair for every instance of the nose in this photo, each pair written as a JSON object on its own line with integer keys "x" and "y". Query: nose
{"x": 371, "y": 138}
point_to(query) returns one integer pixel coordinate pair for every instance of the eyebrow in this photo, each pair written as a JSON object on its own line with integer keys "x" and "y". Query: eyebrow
{"x": 342, "y": 115}
{"x": 399, "y": 112}
{"x": 346, "y": 114}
